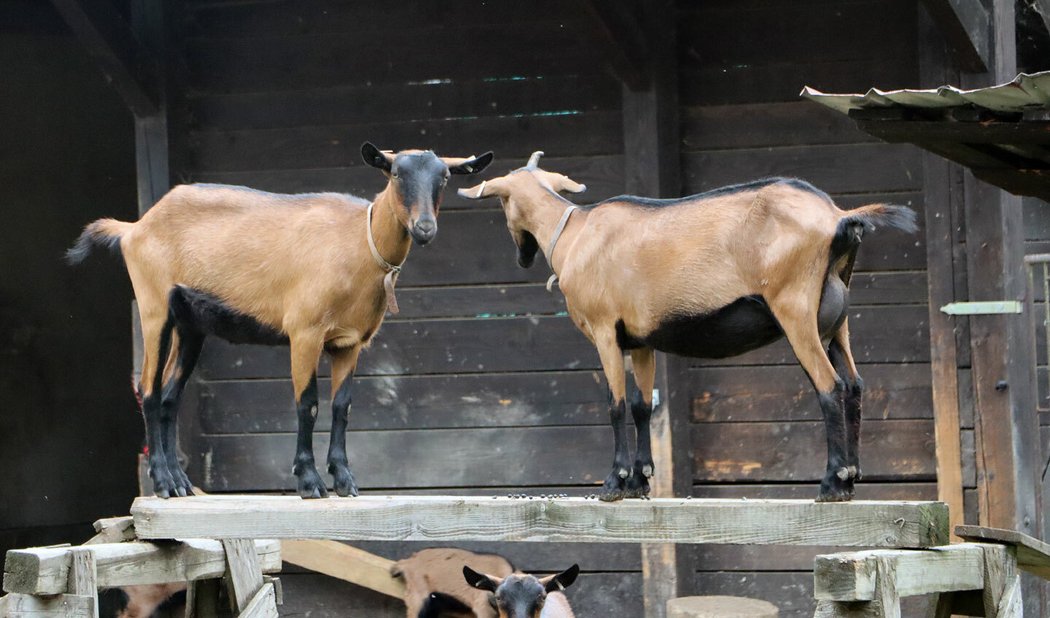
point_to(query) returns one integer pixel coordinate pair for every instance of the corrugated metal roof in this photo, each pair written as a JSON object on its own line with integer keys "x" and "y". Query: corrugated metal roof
{"x": 1024, "y": 92}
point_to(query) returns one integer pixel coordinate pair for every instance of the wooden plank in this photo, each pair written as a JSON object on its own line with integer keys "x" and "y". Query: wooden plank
{"x": 360, "y": 104}
{"x": 305, "y": 61}
{"x": 1000, "y": 572}
{"x": 765, "y": 125}
{"x": 45, "y": 570}
{"x": 298, "y": 17}
{"x": 113, "y": 530}
{"x": 568, "y": 133}
{"x": 346, "y": 563}
{"x": 1032, "y": 554}
{"x": 243, "y": 572}
{"x": 625, "y": 42}
{"x": 853, "y": 576}
{"x": 202, "y": 598}
{"x": 986, "y": 132}
{"x": 127, "y": 65}
{"x": 83, "y": 575}
{"x": 263, "y": 604}
{"x": 964, "y": 25}
{"x": 413, "y": 402}
{"x": 55, "y": 606}
{"x": 440, "y": 346}
{"x": 453, "y": 458}
{"x": 763, "y": 452}
{"x": 726, "y": 394}
{"x": 940, "y": 267}
{"x": 577, "y": 520}
{"x": 834, "y": 168}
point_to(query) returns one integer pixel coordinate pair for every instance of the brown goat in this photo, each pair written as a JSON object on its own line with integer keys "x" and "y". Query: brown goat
{"x": 314, "y": 271}
{"x": 711, "y": 275}
{"x": 524, "y": 596}
{"x": 434, "y": 585}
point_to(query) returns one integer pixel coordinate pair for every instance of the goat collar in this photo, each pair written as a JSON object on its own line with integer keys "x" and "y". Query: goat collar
{"x": 392, "y": 271}
{"x": 554, "y": 243}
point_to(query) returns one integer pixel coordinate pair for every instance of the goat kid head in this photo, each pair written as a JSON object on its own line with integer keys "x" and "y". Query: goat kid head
{"x": 519, "y": 595}
{"x": 418, "y": 179}
{"x": 516, "y": 191}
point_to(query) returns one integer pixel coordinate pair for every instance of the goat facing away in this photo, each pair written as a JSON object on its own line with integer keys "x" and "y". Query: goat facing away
{"x": 434, "y": 585}
{"x": 519, "y": 595}
{"x": 313, "y": 271}
{"x": 711, "y": 275}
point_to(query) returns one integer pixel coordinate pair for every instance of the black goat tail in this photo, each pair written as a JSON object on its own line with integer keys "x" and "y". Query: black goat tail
{"x": 102, "y": 233}
{"x": 856, "y": 222}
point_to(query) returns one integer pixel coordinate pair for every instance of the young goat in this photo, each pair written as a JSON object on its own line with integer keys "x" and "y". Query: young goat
{"x": 314, "y": 271}
{"x": 523, "y": 596}
{"x": 434, "y": 585}
{"x": 711, "y": 275}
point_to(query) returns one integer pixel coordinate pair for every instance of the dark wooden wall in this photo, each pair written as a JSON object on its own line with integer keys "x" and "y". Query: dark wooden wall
{"x": 69, "y": 429}
{"x": 756, "y": 429}
{"x": 482, "y": 385}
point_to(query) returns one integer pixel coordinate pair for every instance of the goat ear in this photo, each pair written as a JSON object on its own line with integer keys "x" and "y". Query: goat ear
{"x": 479, "y": 580}
{"x": 562, "y": 580}
{"x": 488, "y": 188}
{"x": 376, "y": 157}
{"x": 472, "y": 165}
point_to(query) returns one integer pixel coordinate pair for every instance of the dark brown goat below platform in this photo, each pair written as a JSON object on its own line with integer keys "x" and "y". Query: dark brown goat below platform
{"x": 711, "y": 275}
{"x": 314, "y": 271}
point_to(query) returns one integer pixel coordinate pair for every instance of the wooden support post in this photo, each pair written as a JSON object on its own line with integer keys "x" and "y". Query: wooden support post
{"x": 202, "y": 599}
{"x": 940, "y": 269}
{"x": 347, "y": 563}
{"x": 59, "y": 605}
{"x": 243, "y": 573}
{"x": 83, "y": 576}
{"x": 651, "y": 168}
{"x": 964, "y": 24}
{"x": 854, "y": 576}
{"x": 262, "y": 605}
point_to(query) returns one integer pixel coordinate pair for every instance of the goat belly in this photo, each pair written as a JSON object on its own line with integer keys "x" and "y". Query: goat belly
{"x": 739, "y": 327}
{"x": 208, "y": 315}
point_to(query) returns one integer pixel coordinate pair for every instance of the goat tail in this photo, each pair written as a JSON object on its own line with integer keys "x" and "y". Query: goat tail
{"x": 856, "y": 222}
{"x": 102, "y": 233}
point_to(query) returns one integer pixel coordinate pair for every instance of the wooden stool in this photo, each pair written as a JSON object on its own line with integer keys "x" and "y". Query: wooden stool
{"x": 720, "y": 607}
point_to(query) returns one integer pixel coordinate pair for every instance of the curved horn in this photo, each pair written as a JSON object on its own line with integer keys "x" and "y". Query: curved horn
{"x": 534, "y": 159}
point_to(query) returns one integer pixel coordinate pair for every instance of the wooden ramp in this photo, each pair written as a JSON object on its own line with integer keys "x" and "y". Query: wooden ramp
{"x": 449, "y": 518}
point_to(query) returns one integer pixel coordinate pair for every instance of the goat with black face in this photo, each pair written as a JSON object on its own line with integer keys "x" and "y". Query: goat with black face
{"x": 314, "y": 271}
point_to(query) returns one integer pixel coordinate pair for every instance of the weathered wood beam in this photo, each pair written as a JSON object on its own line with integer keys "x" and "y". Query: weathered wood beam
{"x": 46, "y": 570}
{"x": 853, "y": 576}
{"x": 127, "y": 65}
{"x": 262, "y": 605}
{"x": 965, "y": 26}
{"x": 56, "y": 606}
{"x": 344, "y": 562}
{"x": 989, "y": 132}
{"x": 113, "y": 530}
{"x": 624, "y": 40}
{"x": 1042, "y": 9}
{"x": 1033, "y": 555}
{"x": 244, "y": 578}
{"x": 575, "y": 520}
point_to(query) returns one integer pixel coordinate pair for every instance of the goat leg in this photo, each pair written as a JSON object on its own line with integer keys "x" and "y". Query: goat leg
{"x": 837, "y": 485}
{"x": 343, "y": 363}
{"x": 638, "y": 482}
{"x": 310, "y": 483}
{"x": 615, "y": 484}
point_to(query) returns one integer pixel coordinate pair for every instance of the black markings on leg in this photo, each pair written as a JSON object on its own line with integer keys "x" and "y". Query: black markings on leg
{"x": 338, "y": 463}
{"x": 164, "y": 485}
{"x": 852, "y": 397}
{"x": 837, "y": 484}
{"x": 190, "y": 345}
{"x": 615, "y": 485}
{"x": 638, "y": 483}
{"x": 310, "y": 483}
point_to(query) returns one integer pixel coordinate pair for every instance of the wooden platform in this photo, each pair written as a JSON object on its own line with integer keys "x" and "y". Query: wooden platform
{"x": 450, "y": 518}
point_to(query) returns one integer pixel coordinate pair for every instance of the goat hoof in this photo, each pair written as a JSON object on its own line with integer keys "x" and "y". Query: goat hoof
{"x": 842, "y": 473}
{"x": 637, "y": 487}
{"x": 647, "y": 471}
{"x": 311, "y": 486}
{"x": 344, "y": 480}
{"x": 623, "y": 473}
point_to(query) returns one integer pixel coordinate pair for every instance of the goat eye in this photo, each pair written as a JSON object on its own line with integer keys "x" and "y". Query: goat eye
{"x": 395, "y": 175}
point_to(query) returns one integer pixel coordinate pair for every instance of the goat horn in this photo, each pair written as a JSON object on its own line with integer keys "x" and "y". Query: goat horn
{"x": 534, "y": 159}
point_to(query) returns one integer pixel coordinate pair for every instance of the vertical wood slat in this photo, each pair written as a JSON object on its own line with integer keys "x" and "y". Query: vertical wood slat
{"x": 83, "y": 576}
{"x": 243, "y": 573}
{"x": 651, "y": 168}
{"x": 940, "y": 269}
{"x": 202, "y": 599}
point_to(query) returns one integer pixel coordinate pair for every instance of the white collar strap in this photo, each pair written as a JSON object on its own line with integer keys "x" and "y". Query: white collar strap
{"x": 392, "y": 271}
{"x": 554, "y": 243}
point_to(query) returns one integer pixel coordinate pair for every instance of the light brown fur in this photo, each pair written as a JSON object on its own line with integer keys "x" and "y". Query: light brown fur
{"x": 298, "y": 264}
{"x": 636, "y": 264}
{"x": 440, "y": 569}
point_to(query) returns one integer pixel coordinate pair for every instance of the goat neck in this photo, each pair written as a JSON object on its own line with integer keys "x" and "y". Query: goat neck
{"x": 542, "y": 209}
{"x": 389, "y": 233}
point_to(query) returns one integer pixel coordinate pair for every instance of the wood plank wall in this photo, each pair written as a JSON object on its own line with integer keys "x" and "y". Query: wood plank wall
{"x": 1037, "y": 240}
{"x": 482, "y": 385}
{"x": 756, "y": 428}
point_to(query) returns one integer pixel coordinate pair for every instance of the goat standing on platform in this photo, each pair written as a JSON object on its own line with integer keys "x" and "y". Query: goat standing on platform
{"x": 711, "y": 275}
{"x": 314, "y": 271}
